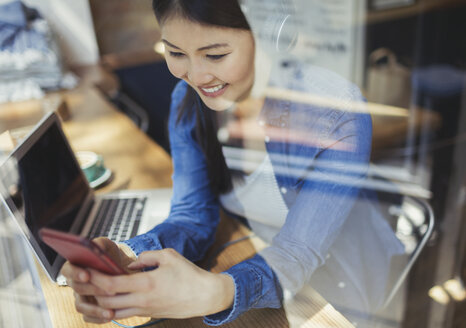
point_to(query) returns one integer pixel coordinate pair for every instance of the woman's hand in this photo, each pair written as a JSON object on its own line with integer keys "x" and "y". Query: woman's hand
{"x": 175, "y": 289}
{"x": 79, "y": 279}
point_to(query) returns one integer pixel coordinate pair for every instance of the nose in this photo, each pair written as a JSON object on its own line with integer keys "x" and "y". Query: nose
{"x": 198, "y": 73}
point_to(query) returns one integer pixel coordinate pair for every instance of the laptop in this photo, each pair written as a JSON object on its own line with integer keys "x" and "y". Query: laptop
{"x": 42, "y": 185}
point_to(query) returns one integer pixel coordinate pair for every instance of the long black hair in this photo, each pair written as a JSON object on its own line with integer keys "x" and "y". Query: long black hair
{"x": 225, "y": 13}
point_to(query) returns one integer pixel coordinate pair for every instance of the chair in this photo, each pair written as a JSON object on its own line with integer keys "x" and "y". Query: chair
{"x": 413, "y": 221}
{"x": 145, "y": 95}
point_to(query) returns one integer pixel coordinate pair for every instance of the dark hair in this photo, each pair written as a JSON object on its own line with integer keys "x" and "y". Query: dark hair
{"x": 226, "y": 13}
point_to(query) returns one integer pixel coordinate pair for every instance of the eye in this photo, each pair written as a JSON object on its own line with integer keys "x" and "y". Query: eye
{"x": 216, "y": 57}
{"x": 176, "y": 54}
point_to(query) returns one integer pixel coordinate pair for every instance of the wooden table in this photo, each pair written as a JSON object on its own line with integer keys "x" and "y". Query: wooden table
{"x": 138, "y": 163}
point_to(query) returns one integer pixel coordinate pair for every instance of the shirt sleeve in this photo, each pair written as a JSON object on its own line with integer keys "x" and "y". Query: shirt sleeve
{"x": 194, "y": 210}
{"x": 326, "y": 195}
{"x": 301, "y": 245}
{"x": 256, "y": 286}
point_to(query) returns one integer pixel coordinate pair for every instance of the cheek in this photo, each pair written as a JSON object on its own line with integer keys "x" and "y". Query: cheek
{"x": 176, "y": 68}
{"x": 240, "y": 71}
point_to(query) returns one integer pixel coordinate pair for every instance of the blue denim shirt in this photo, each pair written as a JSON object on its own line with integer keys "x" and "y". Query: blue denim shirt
{"x": 319, "y": 153}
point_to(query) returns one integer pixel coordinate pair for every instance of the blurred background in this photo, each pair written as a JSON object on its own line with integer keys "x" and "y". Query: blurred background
{"x": 408, "y": 57}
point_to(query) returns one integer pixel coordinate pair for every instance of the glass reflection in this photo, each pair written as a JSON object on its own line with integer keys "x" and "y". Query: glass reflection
{"x": 302, "y": 156}
{"x": 50, "y": 199}
{"x": 351, "y": 141}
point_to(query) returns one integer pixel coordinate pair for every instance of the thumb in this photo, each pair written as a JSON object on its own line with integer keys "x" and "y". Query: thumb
{"x": 104, "y": 244}
{"x": 146, "y": 260}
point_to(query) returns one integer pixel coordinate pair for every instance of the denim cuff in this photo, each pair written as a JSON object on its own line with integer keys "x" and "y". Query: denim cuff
{"x": 227, "y": 315}
{"x": 142, "y": 243}
{"x": 247, "y": 290}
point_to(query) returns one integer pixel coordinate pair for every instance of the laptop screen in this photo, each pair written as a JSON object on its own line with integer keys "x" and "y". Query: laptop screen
{"x": 43, "y": 185}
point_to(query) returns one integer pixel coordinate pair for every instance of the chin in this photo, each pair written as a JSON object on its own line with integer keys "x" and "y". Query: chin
{"x": 218, "y": 105}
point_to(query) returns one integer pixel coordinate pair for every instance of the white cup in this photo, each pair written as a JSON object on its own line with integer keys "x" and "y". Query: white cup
{"x": 91, "y": 164}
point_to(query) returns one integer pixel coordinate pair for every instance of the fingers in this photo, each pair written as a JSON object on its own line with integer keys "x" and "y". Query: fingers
{"x": 95, "y": 320}
{"x": 122, "y": 301}
{"x": 79, "y": 279}
{"x": 74, "y": 273}
{"x": 112, "y": 285}
{"x": 146, "y": 259}
{"x": 127, "y": 251}
{"x": 86, "y": 289}
{"x": 130, "y": 312}
{"x": 92, "y": 312}
{"x": 104, "y": 243}
{"x": 136, "y": 282}
{"x": 126, "y": 294}
{"x": 152, "y": 258}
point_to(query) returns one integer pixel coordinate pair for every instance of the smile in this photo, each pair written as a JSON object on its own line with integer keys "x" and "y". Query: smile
{"x": 214, "y": 91}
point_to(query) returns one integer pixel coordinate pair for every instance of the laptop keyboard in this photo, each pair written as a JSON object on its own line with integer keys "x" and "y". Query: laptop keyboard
{"x": 118, "y": 219}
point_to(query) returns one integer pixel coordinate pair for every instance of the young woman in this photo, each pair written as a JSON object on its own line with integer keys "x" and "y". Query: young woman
{"x": 303, "y": 197}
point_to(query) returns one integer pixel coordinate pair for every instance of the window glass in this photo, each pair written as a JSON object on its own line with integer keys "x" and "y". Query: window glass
{"x": 341, "y": 128}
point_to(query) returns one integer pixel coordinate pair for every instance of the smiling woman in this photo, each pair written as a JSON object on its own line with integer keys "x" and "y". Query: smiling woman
{"x": 301, "y": 192}
{"x": 211, "y": 47}
{"x": 218, "y": 63}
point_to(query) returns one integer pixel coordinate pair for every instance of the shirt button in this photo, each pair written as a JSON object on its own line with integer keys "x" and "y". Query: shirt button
{"x": 341, "y": 284}
{"x": 267, "y": 138}
{"x": 283, "y": 190}
{"x": 327, "y": 257}
{"x": 261, "y": 123}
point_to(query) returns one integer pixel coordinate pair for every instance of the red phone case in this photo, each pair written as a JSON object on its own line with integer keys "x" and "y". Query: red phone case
{"x": 80, "y": 251}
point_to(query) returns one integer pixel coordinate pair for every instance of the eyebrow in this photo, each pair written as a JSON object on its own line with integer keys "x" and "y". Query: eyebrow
{"x": 210, "y": 46}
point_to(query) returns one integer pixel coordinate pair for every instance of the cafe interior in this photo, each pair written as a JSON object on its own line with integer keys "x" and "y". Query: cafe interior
{"x": 99, "y": 65}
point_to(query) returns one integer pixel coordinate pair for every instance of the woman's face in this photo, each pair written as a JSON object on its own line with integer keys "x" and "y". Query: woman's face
{"x": 216, "y": 62}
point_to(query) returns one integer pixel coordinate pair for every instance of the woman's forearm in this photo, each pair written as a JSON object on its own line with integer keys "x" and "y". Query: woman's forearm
{"x": 222, "y": 293}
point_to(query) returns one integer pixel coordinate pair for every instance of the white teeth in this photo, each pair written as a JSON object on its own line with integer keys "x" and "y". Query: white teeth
{"x": 214, "y": 89}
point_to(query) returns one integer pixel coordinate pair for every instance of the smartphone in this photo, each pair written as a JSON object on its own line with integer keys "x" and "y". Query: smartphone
{"x": 80, "y": 251}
